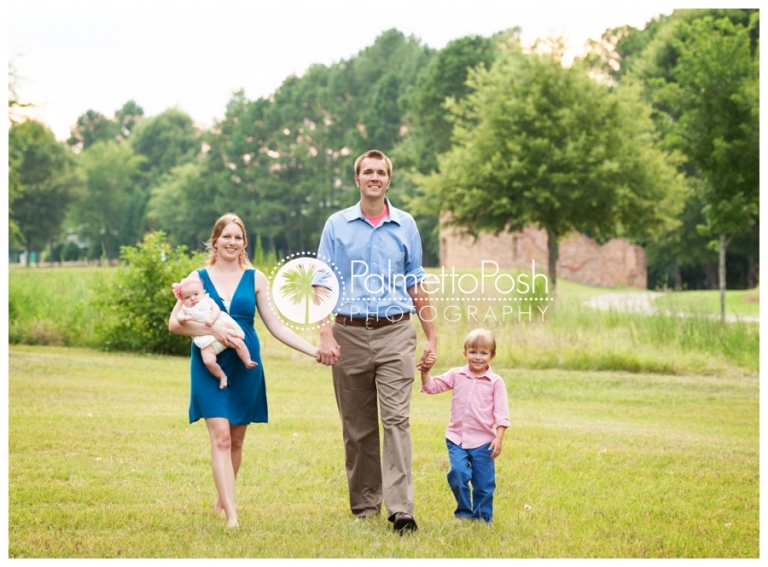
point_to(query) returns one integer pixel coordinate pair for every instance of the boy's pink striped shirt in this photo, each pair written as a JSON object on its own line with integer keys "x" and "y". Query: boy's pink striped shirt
{"x": 478, "y": 404}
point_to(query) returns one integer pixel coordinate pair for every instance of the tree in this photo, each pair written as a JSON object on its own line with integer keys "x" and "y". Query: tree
{"x": 384, "y": 115}
{"x": 166, "y": 140}
{"x": 94, "y": 126}
{"x": 111, "y": 173}
{"x": 443, "y": 78}
{"x": 128, "y": 117}
{"x": 428, "y": 128}
{"x": 536, "y": 143}
{"x": 90, "y": 128}
{"x": 182, "y": 204}
{"x": 716, "y": 94}
{"x": 43, "y": 181}
{"x": 648, "y": 58}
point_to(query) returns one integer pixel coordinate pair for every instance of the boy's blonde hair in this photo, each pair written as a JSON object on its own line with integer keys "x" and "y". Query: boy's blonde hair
{"x": 480, "y": 338}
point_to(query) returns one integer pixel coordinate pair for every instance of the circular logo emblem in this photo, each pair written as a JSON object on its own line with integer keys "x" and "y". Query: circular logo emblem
{"x": 296, "y": 298}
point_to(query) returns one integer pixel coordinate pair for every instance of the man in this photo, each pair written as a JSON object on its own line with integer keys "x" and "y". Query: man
{"x": 376, "y": 250}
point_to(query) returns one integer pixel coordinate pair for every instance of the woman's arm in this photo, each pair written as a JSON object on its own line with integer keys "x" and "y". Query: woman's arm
{"x": 273, "y": 324}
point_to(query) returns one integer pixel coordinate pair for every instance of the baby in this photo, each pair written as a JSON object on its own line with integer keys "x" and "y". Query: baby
{"x": 198, "y": 306}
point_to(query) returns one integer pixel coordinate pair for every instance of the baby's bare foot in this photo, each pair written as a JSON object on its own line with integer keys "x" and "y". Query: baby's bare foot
{"x": 223, "y": 383}
{"x": 251, "y": 364}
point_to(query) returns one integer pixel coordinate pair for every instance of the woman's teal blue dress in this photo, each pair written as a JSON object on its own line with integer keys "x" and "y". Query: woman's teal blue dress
{"x": 244, "y": 400}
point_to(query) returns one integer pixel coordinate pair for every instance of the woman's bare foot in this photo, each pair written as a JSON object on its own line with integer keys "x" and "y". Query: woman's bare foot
{"x": 218, "y": 509}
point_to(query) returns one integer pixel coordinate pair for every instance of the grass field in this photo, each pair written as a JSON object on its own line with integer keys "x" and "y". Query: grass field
{"x": 632, "y": 436}
{"x": 102, "y": 463}
{"x": 740, "y": 303}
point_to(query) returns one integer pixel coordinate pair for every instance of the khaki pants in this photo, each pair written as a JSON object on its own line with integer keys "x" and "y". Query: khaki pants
{"x": 376, "y": 372}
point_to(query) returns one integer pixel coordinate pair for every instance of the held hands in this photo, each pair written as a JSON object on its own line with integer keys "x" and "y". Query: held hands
{"x": 428, "y": 359}
{"x": 425, "y": 364}
{"x": 328, "y": 351}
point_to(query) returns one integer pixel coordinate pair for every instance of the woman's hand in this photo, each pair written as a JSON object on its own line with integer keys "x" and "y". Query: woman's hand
{"x": 224, "y": 334}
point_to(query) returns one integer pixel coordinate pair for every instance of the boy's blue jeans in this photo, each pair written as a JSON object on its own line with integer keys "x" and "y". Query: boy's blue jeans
{"x": 475, "y": 466}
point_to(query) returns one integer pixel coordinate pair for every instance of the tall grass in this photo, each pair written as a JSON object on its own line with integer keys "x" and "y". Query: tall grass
{"x": 533, "y": 329}
{"x": 102, "y": 463}
{"x": 52, "y": 306}
{"x": 738, "y": 303}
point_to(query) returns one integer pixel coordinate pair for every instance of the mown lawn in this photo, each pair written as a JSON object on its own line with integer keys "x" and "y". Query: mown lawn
{"x": 102, "y": 463}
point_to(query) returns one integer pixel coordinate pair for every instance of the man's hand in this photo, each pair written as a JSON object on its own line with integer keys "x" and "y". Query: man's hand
{"x": 328, "y": 351}
{"x": 428, "y": 358}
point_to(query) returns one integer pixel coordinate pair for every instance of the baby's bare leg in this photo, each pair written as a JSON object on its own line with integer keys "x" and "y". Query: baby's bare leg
{"x": 243, "y": 353}
{"x": 209, "y": 359}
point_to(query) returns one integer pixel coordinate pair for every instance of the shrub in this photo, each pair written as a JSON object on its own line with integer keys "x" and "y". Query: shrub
{"x": 136, "y": 303}
{"x": 71, "y": 252}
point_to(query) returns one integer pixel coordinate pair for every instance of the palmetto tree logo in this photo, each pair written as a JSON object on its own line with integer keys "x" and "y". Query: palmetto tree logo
{"x": 297, "y": 287}
{"x": 297, "y": 299}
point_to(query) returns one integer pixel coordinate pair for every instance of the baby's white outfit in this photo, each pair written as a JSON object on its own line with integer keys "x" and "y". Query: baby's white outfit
{"x": 201, "y": 312}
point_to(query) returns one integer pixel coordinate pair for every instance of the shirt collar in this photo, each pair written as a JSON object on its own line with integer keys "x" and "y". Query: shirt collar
{"x": 356, "y": 212}
{"x": 468, "y": 373}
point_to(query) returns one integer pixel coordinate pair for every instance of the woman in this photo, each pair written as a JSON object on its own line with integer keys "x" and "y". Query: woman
{"x": 233, "y": 283}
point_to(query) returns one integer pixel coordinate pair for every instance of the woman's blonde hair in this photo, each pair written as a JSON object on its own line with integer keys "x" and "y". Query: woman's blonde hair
{"x": 218, "y": 228}
{"x": 480, "y": 338}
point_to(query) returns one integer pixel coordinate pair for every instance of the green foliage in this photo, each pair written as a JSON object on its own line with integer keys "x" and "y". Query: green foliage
{"x": 93, "y": 126}
{"x": 53, "y": 306}
{"x": 111, "y": 173}
{"x": 137, "y": 302}
{"x": 74, "y": 307}
{"x": 443, "y": 78}
{"x": 652, "y": 59}
{"x": 284, "y": 163}
{"x": 43, "y": 181}
{"x": 716, "y": 95}
{"x": 179, "y": 204}
{"x": 429, "y": 129}
{"x": 167, "y": 140}
{"x": 536, "y": 143}
{"x": 90, "y": 128}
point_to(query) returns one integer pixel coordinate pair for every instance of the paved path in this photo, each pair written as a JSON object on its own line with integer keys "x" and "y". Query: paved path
{"x": 642, "y": 302}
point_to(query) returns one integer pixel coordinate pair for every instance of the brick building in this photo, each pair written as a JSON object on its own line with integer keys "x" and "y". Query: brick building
{"x": 582, "y": 259}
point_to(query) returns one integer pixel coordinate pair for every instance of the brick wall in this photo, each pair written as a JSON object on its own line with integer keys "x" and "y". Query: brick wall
{"x": 581, "y": 260}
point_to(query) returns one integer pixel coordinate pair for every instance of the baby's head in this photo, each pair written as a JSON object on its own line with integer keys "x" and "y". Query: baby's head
{"x": 480, "y": 339}
{"x": 190, "y": 291}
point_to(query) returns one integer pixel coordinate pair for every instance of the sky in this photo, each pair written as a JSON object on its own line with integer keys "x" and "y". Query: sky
{"x": 71, "y": 56}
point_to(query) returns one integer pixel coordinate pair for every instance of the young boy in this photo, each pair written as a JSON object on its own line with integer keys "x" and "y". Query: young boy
{"x": 197, "y": 305}
{"x": 479, "y": 418}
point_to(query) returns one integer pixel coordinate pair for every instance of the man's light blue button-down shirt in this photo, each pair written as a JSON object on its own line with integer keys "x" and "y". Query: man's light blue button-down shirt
{"x": 375, "y": 265}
